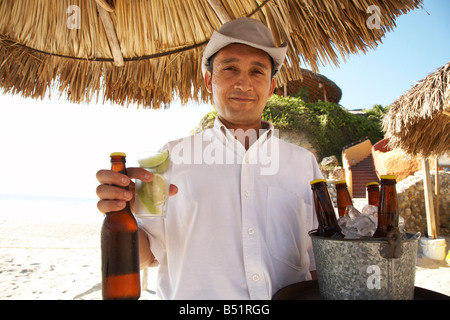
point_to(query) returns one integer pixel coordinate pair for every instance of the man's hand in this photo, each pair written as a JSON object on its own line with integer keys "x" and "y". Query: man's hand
{"x": 113, "y": 196}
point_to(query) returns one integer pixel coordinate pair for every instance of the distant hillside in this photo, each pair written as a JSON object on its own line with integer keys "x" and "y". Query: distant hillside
{"x": 322, "y": 127}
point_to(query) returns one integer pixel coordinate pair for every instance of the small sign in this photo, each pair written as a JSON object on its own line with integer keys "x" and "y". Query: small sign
{"x": 444, "y": 161}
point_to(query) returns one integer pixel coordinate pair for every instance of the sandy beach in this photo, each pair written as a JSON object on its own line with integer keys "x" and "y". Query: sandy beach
{"x": 50, "y": 250}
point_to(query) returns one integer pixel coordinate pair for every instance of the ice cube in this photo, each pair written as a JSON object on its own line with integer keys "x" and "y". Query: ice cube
{"x": 401, "y": 227}
{"x": 370, "y": 210}
{"x": 352, "y": 212}
{"x": 342, "y": 221}
{"x": 366, "y": 226}
{"x": 356, "y": 225}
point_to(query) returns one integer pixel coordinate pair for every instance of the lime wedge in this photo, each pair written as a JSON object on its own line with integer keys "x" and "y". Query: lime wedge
{"x": 161, "y": 168}
{"x": 158, "y": 189}
{"x": 154, "y": 194}
{"x": 153, "y": 159}
{"x": 148, "y": 203}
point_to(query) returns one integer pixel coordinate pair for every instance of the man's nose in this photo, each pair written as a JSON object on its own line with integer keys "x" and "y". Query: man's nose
{"x": 243, "y": 82}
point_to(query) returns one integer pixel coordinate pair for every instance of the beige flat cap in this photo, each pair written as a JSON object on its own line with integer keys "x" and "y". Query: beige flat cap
{"x": 246, "y": 31}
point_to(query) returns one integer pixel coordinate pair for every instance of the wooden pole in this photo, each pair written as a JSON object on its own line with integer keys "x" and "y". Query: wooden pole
{"x": 220, "y": 10}
{"x": 436, "y": 190}
{"x": 105, "y": 5}
{"x": 324, "y": 92}
{"x": 429, "y": 208}
{"x": 111, "y": 35}
{"x": 144, "y": 281}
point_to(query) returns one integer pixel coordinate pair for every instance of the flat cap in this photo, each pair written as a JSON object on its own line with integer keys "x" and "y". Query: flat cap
{"x": 246, "y": 31}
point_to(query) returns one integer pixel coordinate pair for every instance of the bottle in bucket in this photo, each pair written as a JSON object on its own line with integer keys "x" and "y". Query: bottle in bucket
{"x": 388, "y": 215}
{"x": 373, "y": 192}
{"x": 343, "y": 197}
{"x": 120, "y": 248}
{"x": 328, "y": 226}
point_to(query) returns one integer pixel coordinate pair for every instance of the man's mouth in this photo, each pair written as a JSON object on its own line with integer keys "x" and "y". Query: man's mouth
{"x": 242, "y": 99}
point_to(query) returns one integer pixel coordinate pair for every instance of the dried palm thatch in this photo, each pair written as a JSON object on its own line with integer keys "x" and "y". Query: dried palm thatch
{"x": 419, "y": 121}
{"x": 314, "y": 87}
{"x": 151, "y": 49}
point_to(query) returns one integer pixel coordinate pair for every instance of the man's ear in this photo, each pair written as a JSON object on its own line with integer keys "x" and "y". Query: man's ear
{"x": 208, "y": 81}
{"x": 272, "y": 86}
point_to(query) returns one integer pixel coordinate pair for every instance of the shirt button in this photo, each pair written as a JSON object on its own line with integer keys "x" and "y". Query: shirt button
{"x": 251, "y": 231}
{"x": 255, "y": 277}
{"x": 246, "y": 194}
{"x": 246, "y": 159}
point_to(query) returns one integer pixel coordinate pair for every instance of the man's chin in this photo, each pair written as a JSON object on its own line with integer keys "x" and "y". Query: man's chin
{"x": 239, "y": 120}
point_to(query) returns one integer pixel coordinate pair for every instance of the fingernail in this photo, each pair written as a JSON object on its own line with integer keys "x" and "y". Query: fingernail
{"x": 147, "y": 176}
{"x": 127, "y": 195}
{"x": 124, "y": 180}
{"x": 120, "y": 203}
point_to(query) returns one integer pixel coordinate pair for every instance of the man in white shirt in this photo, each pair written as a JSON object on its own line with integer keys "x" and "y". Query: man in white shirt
{"x": 238, "y": 225}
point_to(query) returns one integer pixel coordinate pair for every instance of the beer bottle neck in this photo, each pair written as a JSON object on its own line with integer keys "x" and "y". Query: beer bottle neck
{"x": 118, "y": 165}
{"x": 388, "y": 214}
{"x": 389, "y": 198}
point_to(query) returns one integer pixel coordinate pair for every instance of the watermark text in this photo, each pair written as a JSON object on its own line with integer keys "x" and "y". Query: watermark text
{"x": 74, "y": 19}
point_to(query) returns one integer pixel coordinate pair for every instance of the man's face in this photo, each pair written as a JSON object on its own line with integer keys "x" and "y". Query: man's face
{"x": 241, "y": 83}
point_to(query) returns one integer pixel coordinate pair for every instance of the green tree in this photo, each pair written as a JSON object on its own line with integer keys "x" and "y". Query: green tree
{"x": 328, "y": 126}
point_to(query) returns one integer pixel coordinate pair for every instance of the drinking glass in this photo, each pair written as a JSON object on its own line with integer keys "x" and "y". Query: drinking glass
{"x": 151, "y": 197}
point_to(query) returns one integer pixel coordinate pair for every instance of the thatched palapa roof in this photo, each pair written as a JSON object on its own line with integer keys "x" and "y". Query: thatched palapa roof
{"x": 317, "y": 87}
{"x": 147, "y": 51}
{"x": 419, "y": 121}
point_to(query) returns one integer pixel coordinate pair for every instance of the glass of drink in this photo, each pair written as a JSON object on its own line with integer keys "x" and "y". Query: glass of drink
{"x": 151, "y": 197}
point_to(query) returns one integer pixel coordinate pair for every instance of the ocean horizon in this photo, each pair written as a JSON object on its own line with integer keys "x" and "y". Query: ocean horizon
{"x": 46, "y": 198}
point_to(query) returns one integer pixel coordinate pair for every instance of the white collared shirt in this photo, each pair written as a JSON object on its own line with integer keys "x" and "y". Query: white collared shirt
{"x": 238, "y": 226}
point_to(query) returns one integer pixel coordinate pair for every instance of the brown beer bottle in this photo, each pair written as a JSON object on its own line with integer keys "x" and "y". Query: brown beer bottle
{"x": 388, "y": 214}
{"x": 343, "y": 197}
{"x": 328, "y": 226}
{"x": 120, "y": 248}
{"x": 373, "y": 192}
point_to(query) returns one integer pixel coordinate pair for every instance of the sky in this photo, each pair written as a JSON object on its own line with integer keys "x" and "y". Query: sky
{"x": 418, "y": 46}
{"x": 54, "y": 148}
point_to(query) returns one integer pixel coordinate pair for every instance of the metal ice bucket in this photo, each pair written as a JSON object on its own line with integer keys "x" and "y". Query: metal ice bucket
{"x": 366, "y": 269}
